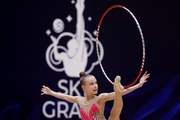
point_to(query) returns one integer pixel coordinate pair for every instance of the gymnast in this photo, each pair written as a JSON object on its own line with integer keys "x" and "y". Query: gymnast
{"x": 92, "y": 105}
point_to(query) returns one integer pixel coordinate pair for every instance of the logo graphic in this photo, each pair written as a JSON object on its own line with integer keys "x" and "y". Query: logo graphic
{"x": 72, "y": 58}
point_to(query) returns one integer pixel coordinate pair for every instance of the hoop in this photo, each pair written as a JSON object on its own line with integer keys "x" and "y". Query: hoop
{"x": 142, "y": 38}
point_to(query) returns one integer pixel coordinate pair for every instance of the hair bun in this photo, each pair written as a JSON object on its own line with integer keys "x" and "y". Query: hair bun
{"x": 81, "y": 74}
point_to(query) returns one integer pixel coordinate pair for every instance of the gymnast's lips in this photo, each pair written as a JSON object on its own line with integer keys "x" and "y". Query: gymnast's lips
{"x": 95, "y": 90}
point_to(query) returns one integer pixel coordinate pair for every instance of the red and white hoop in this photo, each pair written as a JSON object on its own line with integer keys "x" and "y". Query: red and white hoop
{"x": 142, "y": 38}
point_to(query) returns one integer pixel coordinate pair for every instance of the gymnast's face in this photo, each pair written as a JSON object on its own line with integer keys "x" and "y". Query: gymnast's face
{"x": 90, "y": 85}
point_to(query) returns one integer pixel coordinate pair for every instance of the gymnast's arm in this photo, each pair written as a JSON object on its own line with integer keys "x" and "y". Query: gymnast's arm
{"x": 110, "y": 96}
{"x": 140, "y": 84}
{"x": 47, "y": 91}
{"x": 104, "y": 97}
{"x": 130, "y": 89}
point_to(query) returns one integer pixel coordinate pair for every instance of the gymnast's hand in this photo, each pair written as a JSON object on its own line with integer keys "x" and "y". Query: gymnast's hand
{"x": 144, "y": 79}
{"x": 45, "y": 90}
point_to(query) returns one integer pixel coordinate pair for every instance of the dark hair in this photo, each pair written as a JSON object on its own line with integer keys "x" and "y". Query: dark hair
{"x": 82, "y": 76}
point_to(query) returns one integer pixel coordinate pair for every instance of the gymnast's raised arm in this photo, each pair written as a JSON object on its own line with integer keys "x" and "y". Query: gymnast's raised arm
{"x": 47, "y": 91}
{"x": 143, "y": 80}
{"x": 111, "y": 95}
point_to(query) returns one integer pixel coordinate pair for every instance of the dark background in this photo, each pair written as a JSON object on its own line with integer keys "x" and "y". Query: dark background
{"x": 24, "y": 42}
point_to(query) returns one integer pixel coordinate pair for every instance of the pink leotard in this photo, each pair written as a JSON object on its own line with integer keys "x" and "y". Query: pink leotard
{"x": 91, "y": 114}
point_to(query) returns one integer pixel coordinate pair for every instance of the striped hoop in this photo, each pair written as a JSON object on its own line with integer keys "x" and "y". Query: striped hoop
{"x": 142, "y": 38}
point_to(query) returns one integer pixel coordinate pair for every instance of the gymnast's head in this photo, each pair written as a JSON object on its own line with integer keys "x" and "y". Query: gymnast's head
{"x": 88, "y": 83}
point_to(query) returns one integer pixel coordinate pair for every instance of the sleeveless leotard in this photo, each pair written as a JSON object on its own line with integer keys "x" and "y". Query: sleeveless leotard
{"x": 92, "y": 112}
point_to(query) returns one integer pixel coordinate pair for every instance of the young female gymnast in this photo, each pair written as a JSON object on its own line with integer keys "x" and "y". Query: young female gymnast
{"x": 92, "y": 106}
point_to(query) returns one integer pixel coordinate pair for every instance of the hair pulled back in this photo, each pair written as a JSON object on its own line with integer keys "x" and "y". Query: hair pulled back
{"x": 82, "y": 76}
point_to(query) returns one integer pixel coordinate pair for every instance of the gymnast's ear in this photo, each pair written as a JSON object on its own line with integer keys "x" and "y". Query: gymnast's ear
{"x": 83, "y": 88}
